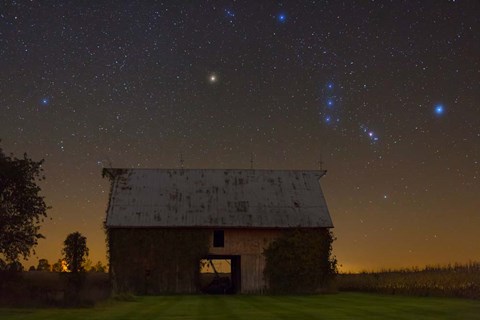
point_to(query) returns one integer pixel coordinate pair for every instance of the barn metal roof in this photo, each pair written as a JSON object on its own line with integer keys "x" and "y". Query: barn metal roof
{"x": 216, "y": 198}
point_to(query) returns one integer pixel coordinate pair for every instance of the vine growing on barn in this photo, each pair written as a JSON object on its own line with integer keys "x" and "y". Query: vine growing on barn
{"x": 153, "y": 261}
{"x": 300, "y": 261}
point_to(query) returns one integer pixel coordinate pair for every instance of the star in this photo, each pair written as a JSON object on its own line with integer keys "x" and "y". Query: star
{"x": 212, "y": 78}
{"x": 282, "y": 17}
{"x": 330, "y": 86}
{"x": 439, "y": 109}
{"x": 330, "y": 102}
{"x": 229, "y": 13}
{"x": 45, "y": 101}
{"x": 373, "y": 137}
{"x": 370, "y": 133}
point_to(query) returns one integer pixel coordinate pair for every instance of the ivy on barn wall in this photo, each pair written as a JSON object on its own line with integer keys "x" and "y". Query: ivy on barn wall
{"x": 300, "y": 261}
{"x": 153, "y": 261}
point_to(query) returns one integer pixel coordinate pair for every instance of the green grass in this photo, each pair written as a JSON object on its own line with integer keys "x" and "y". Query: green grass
{"x": 334, "y": 306}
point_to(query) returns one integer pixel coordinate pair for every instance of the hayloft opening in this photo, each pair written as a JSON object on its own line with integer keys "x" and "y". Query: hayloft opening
{"x": 218, "y": 238}
{"x": 220, "y": 275}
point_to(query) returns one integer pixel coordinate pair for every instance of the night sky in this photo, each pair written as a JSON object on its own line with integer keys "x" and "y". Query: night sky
{"x": 385, "y": 93}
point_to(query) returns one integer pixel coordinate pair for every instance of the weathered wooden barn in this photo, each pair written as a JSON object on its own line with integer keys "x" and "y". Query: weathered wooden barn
{"x": 162, "y": 222}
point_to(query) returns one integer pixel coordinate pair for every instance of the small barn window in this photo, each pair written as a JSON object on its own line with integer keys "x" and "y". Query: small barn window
{"x": 218, "y": 238}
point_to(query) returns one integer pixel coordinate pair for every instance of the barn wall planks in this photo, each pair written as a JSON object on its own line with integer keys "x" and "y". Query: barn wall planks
{"x": 249, "y": 245}
{"x": 157, "y": 260}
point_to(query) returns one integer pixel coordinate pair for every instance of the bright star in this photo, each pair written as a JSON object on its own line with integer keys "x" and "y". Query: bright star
{"x": 45, "y": 101}
{"x": 328, "y": 119}
{"x": 370, "y": 133}
{"x": 229, "y": 13}
{"x": 212, "y": 78}
{"x": 282, "y": 17}
{"x": 439, "y": 109}
{"x": 329, "y": 102}
{"x": 330, "y": 85}
{"x": 372, "y": 136}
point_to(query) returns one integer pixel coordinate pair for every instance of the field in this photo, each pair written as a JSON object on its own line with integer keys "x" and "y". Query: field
{"x": 460, "y": 281}
{"x": 333, "y": 306}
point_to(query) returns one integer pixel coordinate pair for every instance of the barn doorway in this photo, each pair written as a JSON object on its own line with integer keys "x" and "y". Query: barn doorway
{"x": 220, "y": 274}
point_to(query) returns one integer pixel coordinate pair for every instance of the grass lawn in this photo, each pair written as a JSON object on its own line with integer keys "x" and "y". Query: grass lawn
{"x": 335, "y": 306}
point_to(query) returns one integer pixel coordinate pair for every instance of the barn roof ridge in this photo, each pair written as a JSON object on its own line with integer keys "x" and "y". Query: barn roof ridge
{"x": 219, "y": 169}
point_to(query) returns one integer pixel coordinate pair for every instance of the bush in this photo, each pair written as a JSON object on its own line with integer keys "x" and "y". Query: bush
{"x": 300, "y": 261}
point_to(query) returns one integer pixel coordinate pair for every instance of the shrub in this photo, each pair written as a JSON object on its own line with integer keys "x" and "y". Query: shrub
{"x": 300, "y": 261}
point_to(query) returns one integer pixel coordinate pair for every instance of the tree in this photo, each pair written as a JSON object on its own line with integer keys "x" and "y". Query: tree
{"x": 98, "y": 267}
{"x": 88, "y": 265}
{"x": 75, "y": 251}
{"x": 58, "y": 266}
{"x": 15, "y": 266}
{"x": 21, "y": 206}
{"x": 43, "y": 265}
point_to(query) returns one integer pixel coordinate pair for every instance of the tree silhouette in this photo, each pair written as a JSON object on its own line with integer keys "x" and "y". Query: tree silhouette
{"x": 43, "y": 265}
{"x": 15, "y": 266}
{"x": 98, "y": 267}
{"x": 21, "y": 206}
{"x": 57, "y": 266}
{"x": 75, "y": 251}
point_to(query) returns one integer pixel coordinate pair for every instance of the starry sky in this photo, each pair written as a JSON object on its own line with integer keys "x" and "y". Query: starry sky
{"x": 383, "y": 94}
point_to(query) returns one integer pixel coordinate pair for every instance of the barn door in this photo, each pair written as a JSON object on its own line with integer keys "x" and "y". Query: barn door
{"x": 236, "y": 275}
{"x": 220, "y": 274}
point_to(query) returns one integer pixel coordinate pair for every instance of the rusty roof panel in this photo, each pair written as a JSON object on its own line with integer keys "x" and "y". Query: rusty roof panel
{"x": 217, "y": 198}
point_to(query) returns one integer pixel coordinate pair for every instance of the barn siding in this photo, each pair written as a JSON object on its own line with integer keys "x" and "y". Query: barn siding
{"x": 249, "y": 244}
{"x": 129, "y": 265}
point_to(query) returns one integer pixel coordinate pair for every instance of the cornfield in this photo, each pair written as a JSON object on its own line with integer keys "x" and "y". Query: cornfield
{"x": 462, "y": 281}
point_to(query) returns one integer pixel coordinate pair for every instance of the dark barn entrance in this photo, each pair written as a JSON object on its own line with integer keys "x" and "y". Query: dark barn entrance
{"x": 220, "y": 274}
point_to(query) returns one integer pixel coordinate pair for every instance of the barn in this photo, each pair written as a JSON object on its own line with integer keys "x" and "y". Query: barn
{"x": 191, "y": 230}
